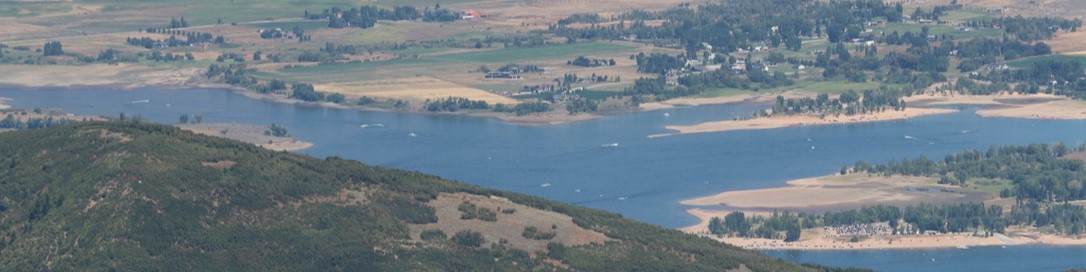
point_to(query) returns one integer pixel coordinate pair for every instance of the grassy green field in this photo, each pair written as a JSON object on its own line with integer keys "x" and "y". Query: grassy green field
{"x": 939, "y": 30}
{"x": 29, "y": 9}
{"x": 991, "y": 186}
{"x": 1026, "y": 63}
{"x": 967, "y": 14}
{"x": 419, "y": 51}
{"x": 366, "y": 70}
{"x": 834, "y": 87}
{"x": 306, "y": 25}
{"x": 562, "y": 52}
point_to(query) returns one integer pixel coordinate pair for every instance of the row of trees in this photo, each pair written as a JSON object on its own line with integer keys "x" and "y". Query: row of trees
{"x": 53, "y": 48}
{"x": 1066, "y": 219}
{"x": 190, "y": 39}
{"x": 1036, "y": 171}
{"x": 366, "y": 16}
{"x": 1043, "y": 184}
{"x": 452, "y": 104}
{"x": 586, "y": 62}
{"x": 730, "y": 25}
{"x": 12, "y": 122}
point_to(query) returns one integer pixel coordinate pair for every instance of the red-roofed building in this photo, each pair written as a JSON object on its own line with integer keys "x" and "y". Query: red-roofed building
{"x": 471, "y": 14}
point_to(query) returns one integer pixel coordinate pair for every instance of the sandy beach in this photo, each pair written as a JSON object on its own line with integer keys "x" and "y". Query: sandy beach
{"x": 800, "y": 120}
{"x": 838, "y": 192}
{"x": 1007, "y": 105}
{"x": 247, "y": 133}
{"x": 854, "y": 191}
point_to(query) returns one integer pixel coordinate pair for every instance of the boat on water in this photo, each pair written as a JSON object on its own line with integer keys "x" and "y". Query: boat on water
{"x": 412, "y": 134}
{"x": 546, "y": 184}
{"x": 609, "y": 145}
{"x": 140, "y": 101}
{"x": 909, "y": 137}
{"x": 667, "y": 114}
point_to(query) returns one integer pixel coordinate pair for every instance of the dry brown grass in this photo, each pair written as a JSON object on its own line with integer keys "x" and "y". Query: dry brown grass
{"x": 508, "y": 227}
{"x": 247, "y": 133}
{"x": 413, "y": 88}
{"x": 537, "y": 14}
{"x": 1073, "y": 43}
{"x": 840, "y": 193}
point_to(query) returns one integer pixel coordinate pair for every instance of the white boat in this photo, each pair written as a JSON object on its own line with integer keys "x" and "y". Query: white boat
{"x": 621, "y": 198}
{"x": 578, "y": 190}
{"x": 378, "y": 125}
{"x": 547, "y": 184}
{"x": 140, "y": 101}
{"x": 412, "y": 134}
{"x": 667, "y": 114}
{"x": 909, "y": 137}
{"x": 609, "y": 145}
{"x": 365, "y": 125}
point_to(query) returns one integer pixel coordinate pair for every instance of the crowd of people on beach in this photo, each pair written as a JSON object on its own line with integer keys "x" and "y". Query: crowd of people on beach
{"x": 858, "y": 229}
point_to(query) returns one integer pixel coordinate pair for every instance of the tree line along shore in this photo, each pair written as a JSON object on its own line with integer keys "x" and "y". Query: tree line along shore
{"x": 1033, "y": 194}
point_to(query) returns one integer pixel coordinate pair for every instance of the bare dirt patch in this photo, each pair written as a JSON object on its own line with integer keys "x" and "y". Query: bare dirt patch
{"x": 1076, "y": 156}
{"x": 1069, "y": 42}
{"x": 508, "y": 226}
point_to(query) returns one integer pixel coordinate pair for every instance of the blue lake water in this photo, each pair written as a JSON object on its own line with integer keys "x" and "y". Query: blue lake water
{"x": 641, "y": 178}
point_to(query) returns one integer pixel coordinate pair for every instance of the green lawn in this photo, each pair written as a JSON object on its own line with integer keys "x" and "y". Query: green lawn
{"x": 419, "y": 51}
{"x": 991, "y": 186}
{"x": 367, "y": 70}
{"x": 307, "y": 25}
{"x": 555, "y": 52}
{"x": 1026, "y": 63}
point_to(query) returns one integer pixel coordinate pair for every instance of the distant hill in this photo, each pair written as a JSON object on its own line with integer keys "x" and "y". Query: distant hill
{"x": 136, "y": 196}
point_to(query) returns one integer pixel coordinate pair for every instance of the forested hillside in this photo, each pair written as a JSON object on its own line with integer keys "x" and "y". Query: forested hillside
{"x": 137, "y": 196}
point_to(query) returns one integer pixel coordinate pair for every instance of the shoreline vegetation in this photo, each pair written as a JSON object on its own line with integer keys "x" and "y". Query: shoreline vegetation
{"x": 992, "y": 198}
{"x": 261, "y": 136}
{"x": 1002, "y": 105}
